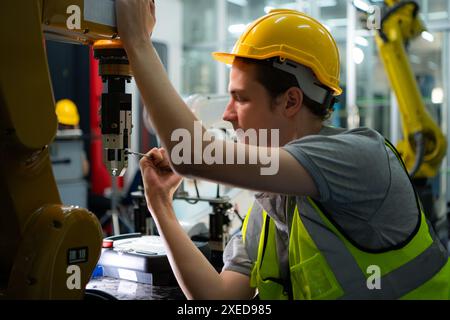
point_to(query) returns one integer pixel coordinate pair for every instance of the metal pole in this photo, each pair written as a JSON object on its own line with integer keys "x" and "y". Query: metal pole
{"x": 114, "y": 202}
{"x": 352, "y": 109}
{"x": 446, "y": 114}
{"x": 395, "y": 119}
{"x": 222, "y": 40}
{"x": 370, "y": 106}
{"x": 133, "y": 162}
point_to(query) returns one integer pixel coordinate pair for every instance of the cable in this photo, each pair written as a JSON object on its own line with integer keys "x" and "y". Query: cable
{"x": 196, "y": 189}
{"x": 197, "y": 193}
{"x": 420, "y": 153}
{"x": 239, "y": 216}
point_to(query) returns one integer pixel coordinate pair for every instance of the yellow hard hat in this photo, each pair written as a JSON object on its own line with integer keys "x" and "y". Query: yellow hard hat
{"x": 67, "y": 112}
{"x": 291, "y": 35}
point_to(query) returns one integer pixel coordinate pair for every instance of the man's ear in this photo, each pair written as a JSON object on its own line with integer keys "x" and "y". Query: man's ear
{"x": 294, "y": 101}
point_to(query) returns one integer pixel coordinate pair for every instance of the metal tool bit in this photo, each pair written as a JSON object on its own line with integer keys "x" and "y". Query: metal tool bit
{"x": 138, "y": 154}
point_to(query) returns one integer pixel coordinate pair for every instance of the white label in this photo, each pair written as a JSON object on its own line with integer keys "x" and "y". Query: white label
{"x": 100, "y": 11}
{"x": 127, "y": 274}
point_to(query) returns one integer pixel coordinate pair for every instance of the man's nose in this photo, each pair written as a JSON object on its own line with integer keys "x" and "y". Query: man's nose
{"x": 230, "y": 113}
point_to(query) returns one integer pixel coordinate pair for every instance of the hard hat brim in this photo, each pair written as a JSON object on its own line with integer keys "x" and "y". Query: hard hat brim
{"x": 224, "y": 57}
{"x": 228, "y": 58}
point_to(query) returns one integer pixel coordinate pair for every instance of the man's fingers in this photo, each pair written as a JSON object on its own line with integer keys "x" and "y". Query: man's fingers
{"x": 157, "y": 159}
{"x": 148, "y": 159}
{"x": 165, "y": 162}
{"x": 155, "y": 156}
{"x": 152, "y": 154}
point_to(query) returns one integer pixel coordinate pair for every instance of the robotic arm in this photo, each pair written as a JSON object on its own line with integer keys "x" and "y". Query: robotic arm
{"x": 47, "y": 250}
{"x": 92, "y": 22}
{"x": 423, "y": 146}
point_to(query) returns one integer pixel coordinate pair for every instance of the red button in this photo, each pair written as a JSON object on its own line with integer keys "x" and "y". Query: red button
{"x": 107, "y": 243}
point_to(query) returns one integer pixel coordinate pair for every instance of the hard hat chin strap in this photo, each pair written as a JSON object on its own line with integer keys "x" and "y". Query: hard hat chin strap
{"x": 307, "y": 81}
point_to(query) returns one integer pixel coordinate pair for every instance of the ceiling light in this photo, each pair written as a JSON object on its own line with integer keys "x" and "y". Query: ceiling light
{"x": 437, "y": 96}
{"x": 358, "y": 55}
{"x": 362, "y": 5}
{"x": 427, "y": 36}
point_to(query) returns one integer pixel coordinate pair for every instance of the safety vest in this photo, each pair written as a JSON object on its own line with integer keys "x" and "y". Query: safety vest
{"x": 326, "y": 264}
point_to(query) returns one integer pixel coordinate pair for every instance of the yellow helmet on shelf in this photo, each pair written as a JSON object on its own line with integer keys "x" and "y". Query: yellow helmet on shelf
{"x": 67, "y": 112}
{"x": 291, "y": 35}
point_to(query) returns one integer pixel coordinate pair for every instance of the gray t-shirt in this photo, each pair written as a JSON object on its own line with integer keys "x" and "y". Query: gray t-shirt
{"x": 361, "y": 184}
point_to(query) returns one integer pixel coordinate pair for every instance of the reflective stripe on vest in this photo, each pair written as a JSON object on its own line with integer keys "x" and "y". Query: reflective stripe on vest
{"x": 353, "y": 280}
{"x": 251, "y": 229}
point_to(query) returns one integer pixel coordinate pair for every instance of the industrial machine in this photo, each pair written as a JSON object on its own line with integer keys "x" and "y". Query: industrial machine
{"x": 423, "y": 146}
{"x": 47, "y": 250}
{"x": 140, "y": 258}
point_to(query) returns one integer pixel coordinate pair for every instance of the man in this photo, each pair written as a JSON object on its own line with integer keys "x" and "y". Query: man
{"x": 339, "y": 219}
{"x": 69, "y": 119}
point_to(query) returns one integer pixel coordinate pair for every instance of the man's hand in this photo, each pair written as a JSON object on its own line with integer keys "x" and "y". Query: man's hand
{"x": 135, "y": 21}
{"x": 160, "y": 182}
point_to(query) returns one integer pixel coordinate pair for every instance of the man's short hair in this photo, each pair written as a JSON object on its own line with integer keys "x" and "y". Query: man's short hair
{"x": 277, "y": 82}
